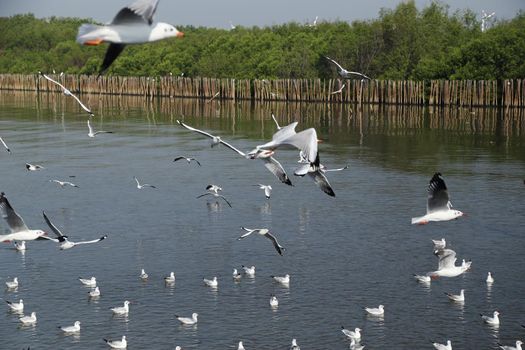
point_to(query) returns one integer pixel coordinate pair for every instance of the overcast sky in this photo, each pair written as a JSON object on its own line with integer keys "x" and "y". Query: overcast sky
{"x": 218, "y": 13}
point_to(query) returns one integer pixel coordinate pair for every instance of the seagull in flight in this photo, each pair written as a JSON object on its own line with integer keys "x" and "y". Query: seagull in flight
{"x": 340, "y": 91}
{"x": 5, "y": 145}
{"x": 141, "y": 186}
{"x": 187, "y": 159}
{"x": 266, "y": 233}
{"x": 19, "y": 230}
{"x": 439, "y": 207}
{"x": 267, "y": 190}
{"x": 447, "y": 264}
{"x": 63, "y": 183}
{"x": 69, "y": 93}
{"x": 92, "y": 133}
{"x": 345, "y": 73}
{"x": 213, "y": 190}
{"x": 65, "y": 243}
{"x": 35, "y": 167}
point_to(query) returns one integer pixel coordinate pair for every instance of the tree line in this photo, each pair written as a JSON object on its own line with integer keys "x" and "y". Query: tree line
{"x": 402, "y": 43}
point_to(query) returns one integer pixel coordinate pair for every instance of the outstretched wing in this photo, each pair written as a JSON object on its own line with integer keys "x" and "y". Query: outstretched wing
{"x": 334, "y": 62}
{"x": 277, "y": 169}
{"x": 138, "y": 12}
{"x": 280, "y": 249}
{"x": 14, "y": 221}
{"x": 53, "y": 227}
{"x": 437, "y": 194}
{"x": 112, "y": 53}
{"x": 93, "y": 241}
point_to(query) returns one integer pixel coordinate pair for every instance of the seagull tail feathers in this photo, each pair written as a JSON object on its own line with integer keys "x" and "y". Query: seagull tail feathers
{"x": 85, "y": 35}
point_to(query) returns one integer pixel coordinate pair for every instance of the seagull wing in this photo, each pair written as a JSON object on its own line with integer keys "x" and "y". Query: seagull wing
{"x": 338, "y": 169}
{"x": 89, "y": 127}
{"x": 437, "y": 194}
{"x": 92, "y": 241}
{"x": 276, "y": 123}
{"x": 280, "y": 249}
{"x": 179, "y": 158}
{"x": 53, "y": 227}
{"x": 55, "y": 82}
{"x": 321, "y": 181}
{"x": 5, "y": 145}
{"x": 277, "y": 169}
{"x": 221, "y": 196}
{"x": 334, "y": 62}
{"x": 285, "y": 132}
{"x": 359, "y": 74}
{"x": 81, "y": 104}
{"x": 248, "y": 232}
{"x": 447, "y": 258}
{"x": 113, "y": 51}
{"x": 196, "y": 161}
{"x": 14, "y": 221}
{"x": 138, "y": 12}
{"x": 233, "y": 148}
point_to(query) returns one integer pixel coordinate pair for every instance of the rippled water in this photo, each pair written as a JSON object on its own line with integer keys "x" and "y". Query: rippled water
{"x": 343, "y": 253}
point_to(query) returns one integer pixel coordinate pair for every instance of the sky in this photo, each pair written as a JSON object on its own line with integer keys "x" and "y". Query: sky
{"x": 219, "y": 13}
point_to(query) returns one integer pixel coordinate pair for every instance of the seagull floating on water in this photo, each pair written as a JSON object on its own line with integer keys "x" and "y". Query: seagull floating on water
{"x": 92, "y": 133}
{"x": 35, "y": 167}
{"x": 65, "y": 243}
{"x": 143, "y": 275}
{"x": 282, "y": 279}
{"x": 19, "y": 230}
{"x": 170, "y": 278}
{"x": 457, "y": 297}
{"x": 493, "y": 321}
{"x": 447, "y": 264}
{"x": 71, "y": 329}
{"x": 131, "y": 25}
{"x": 213, "y": 283}
{"x": 213, "y": 190}
{"x": 63, "y": 183}
{"x": 519, "y": 343}
{"x": 294, "y": 345}
{"x": 439, "y": 346}
{"x": 266, "y": 233}
{"x": 12, "y": 284}
{"x": 28, "y": 320}
{"x": 273, "y": 301}
{"x": 423, "y": 279}
{"x": 67, "y": 92}
{"x": 94, "y": 293}
{"x": 187, "y": 320}
{"x": 121, "y": 310}
{"x": 5, "y": 145}
{"x": 236, "y": 275}
{"x": 187, "y": 159}
{"x": 240, "y": 346}
{"x": 346, "y": 73}
{"x": 117, "y": 344}
{"x": 354, "y": 335}
{"x": 439, "y": 207}
{"x": 249, "y": 270}
{"x": 141, "y": 186}
{"x": 88, "y": 282}
{"x": 21, "y": 247}
{"x": 489, "y": 279}
{"x": 378, "y": 311}
{"x": 439, "y": 244}
{"x": 16, "y": 307}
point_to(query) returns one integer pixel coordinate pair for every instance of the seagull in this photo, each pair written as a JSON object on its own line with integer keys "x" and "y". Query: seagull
{"x": 214, "y": 191}
{"x": 423, "y": 279}
{"x": 94, "y": 293}
{"x": 117, "y": 344}
{"x": 139, "y": 186}
{"x": 446, "y": 265}
{"x": 64, "y": 242}
{"x": 211, "y": 99}
{"x": 466, "y": 264}
{"x": 213, "y": 283}
{"x": 324, "y": 169}
{"x": 121, "y": 310}
{"x": 439, "y": 244}
{"x": 131, "y": 25}
{"x": 240, "y": 346}
{"x": 12, "y": 284}
{"x": 314, "y": 23}
{"x": 170, "y": 278}
{"x": 5, "y": 145}
{"x": 143, "y": 275}
{"x": 489, "y": 279}
{"x": 64, "y": 183}
{"x": 91, "y": 133}
{"x": 36, "y": 167}
{"x": 345, "y": 73}
{"x": 71, "y": 329}
{"x": 91, "y": 282}
{"x": 439, "y": 207}
{"x": 67, "y": 92}
{"x": 19, "y": 230}
{"x": 355, "y": 345}
{"x": 187, "y": 320}
{"x": 266, "y": 233}
{"x": 27, "y": 320}
{"x": 354, "y": 335}
{"x": 507, "y": 347}
{"x": 340, "y": 91}
{"x": 457, "y": 297}
{"x": 282, "y": 279}
{"x": 493, "y": 321}
{"x": 236, "y": 275}
{"x": 232, "y": 27}
{"x": 267, "y": 190}
{"x": 270, "y": 163}
{"x": 21, "y": 247}
{"x": 16, "y": 307}
{"x": 294, "y": 345}
{"x": 187, "y": 159}
{"x": 439, "y": 346}
{"x": 379, "y": 311}
{"x": 250, "y": 271}
{"x": 273, "y": 301}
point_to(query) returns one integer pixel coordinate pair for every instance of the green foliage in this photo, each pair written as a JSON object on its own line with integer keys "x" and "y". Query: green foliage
{"x": 402, "y": 43}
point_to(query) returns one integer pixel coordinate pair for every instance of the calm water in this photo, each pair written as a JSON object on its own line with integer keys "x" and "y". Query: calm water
{"x": 343, "y": 253}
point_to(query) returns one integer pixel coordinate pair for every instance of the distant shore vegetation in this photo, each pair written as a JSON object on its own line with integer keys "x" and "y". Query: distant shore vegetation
{"x": 402, "y": 43}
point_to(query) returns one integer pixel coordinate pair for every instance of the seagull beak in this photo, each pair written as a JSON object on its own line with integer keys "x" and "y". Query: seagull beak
{"x": 180, "y": 35}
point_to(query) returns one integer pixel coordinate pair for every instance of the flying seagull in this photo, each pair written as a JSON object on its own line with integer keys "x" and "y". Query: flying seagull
{"x": 65, "y": 243}
{"x": 213, "y": 191}
{"x": 67, "y": 92}
{"x": 187, "y": 159}
{"x": 141, "y": 186}
{"x": 5, "y": 145}
{"x": 439, "y": 207}
{"x": 133, "y": 24}
{"x": 345, "y": 73}
{"x": 266, "y": 233}
{"x": 34, "y": 167}
{"x": 339, "y": 91}
{"x": 447, "y": 264}
{"x": 19, "y": 230}
{"x": 91, "y": 133}
{"x": 64, "y": 183}
{"x": 267, "y": 190}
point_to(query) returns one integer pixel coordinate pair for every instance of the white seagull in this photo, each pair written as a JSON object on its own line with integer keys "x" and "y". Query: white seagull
{"x": 213, "y": 190}
{"x": 94, "y": 293}
{"x": 266, "y": 233}
{"x": 64, "y": 242}
{"x": 71, "y": 329}
{"x": 131, "y": 25}
{"x": 423, "y": 279}
{"x": 170, "y": 278}
{"x": 489, "y": 279}
{"x": 5, "y": 145}
{"x": 249, "y": 270}
{"x": 282, "y": 279}
{"x": 439, "y": 244}
{"x": 21, "y": 247}
{"x": 493, "y": 321}
{"x": 459, "y": 298}
{"x": 273, "y": 301}
{"x": 519, "y": 343}
{"x": 19, "y": 230}
{"x": 92, "y": 133}
{"x": 267, "y": 190}
{"x": 447, "y": 264}
{"x": 12, "y": 284}
{"x": 345, "y": 73}
{"x": 213, "y": 283}
{"x": 141, "y": 186}
{"x": 439, "y": 346}
{"x": 88, "y": 282}
{"x": 187, "y": 159}
{"x": 16, "y": 307}
{"x": 143, "y": 275}
{"x": 339, "y": 91}
{"x": 187, "y": 320}
{"x": 439, "y": 207}
{"x": 354, "y": 335}
{"x": 236, "y": 275}
{"x": 28, "y": 320}
{"x": 117, "y": 344}
{"x": 67, "y": 92}
{"x": 121, "y": 310}
{"x": 34, "y": 167}
{"x": 376, "y": 311}
{"x": 63, "y": 183}
{"x": 294, "y": 345}
{"x": 240, "y": 346}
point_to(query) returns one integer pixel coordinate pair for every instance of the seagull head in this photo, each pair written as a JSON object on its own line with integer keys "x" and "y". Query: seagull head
{"x": 165, "y": 30}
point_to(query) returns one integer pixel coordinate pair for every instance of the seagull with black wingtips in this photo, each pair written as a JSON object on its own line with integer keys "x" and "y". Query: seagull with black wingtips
{"x": 67, "y": 92}
{"x": 5, "y": 145}
{"x": 346, "y": 73}
{"x": 265, "y": 233}
{"x": 213, "y": 190}
{"x": 188, "y": 159}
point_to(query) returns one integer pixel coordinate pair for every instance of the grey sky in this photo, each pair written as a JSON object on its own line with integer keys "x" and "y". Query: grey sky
{"x": 218, "y": 13}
